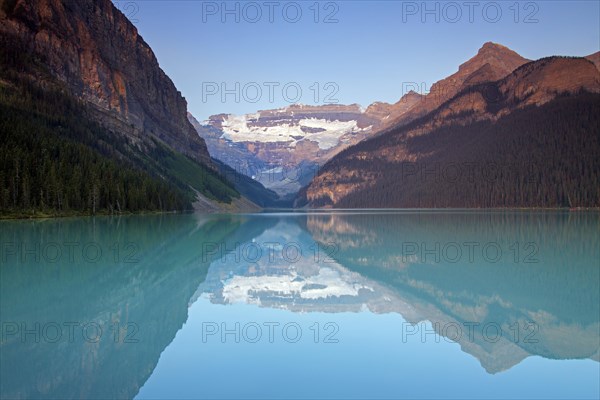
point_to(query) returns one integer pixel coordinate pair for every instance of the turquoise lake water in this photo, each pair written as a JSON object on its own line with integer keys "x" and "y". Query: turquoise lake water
{"x": 371, "y": 304}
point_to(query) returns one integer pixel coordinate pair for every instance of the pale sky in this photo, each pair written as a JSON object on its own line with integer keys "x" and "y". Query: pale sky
{"x": 246, "y": 56}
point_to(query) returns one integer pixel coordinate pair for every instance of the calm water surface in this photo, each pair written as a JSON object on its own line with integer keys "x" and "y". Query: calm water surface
{"x": 302, "y": 305}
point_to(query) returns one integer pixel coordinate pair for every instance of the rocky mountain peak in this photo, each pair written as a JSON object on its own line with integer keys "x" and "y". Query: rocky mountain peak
{"x": 491, "y": 47}
{"x": 500, "y": 58}
{"x": 491, "y": 63}
{"x": 411, "y": 95}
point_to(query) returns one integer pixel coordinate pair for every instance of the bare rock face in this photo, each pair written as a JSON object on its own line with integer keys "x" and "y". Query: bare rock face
{"x": 492, "y": 62}
{"x": 94, "y": 49}
{"x": 282, "y": 148}
{"x": 235, "y": 155}
{"x": 595, "y": 58}
{"x": 539, "y": 82}
{"x": 384, "y": 111}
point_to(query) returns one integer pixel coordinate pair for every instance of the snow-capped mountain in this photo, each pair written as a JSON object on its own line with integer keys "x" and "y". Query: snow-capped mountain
{"x": 283, "y": 148}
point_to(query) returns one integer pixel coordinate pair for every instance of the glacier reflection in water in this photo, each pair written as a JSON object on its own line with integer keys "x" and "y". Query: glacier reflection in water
{"x": 385, "y": 304}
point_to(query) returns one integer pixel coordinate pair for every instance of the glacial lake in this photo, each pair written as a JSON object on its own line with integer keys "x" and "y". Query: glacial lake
{"x": 344, "y": 304}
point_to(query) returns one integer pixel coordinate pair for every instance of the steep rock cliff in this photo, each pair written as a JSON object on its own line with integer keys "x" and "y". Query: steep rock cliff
{"x": 97, "y": 53}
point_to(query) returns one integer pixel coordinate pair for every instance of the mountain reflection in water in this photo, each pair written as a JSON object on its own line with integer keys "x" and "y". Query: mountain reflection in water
{"x": 533, "y": 275}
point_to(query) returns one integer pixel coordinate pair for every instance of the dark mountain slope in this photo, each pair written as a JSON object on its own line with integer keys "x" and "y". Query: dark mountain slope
{"x": 56, "y": 160}
{"x": 528, "y": 140}
{"x": 89, "y": 121}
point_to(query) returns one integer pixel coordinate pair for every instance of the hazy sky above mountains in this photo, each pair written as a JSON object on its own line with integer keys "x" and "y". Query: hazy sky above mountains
{"x": 264, "y": 52}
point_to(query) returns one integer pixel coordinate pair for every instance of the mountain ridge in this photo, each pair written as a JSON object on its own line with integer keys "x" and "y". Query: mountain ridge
{"x": 288, "y": 138}
{"x": 492, "y": 62}
{"x": 533, "y": 84}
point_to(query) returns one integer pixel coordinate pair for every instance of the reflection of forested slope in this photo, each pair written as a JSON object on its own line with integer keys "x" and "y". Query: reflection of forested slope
{"x": 560, "y": 292}
{"x": 152, "y": 293}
